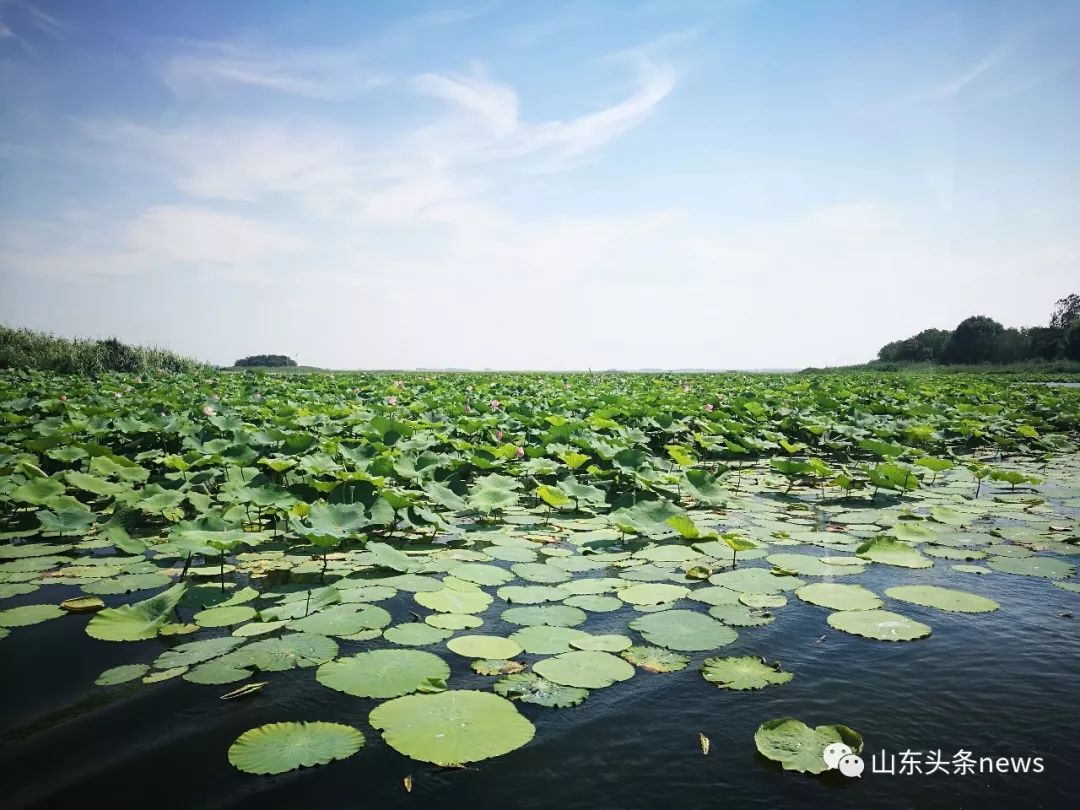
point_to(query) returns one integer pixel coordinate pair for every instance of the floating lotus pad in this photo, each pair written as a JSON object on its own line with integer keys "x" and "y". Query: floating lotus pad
{"x": 195, "y": 652}
{"x": 892, "y": 552}
{"x": 742, "y": 673}
{"x": 494, "y": 666}
{"x": 879, "y": 624}
{"x": 800, "y": 748}
{"x": 481, "y": 574}
{"x": 762, "y": 600}
{"x": 224, "y": 616}
{"x": 480, "y": 646}
{"x": 83, "y": 604}
{"x": 652, "y": 594}
{"x": 531, "y": 594}
{"x": 683, "y": 630}
{"x": 449, "y": 600}
{"x": 416, "y": 634}
{"x": 1047, "y": 567}
{"x": 121, "y": 674}
{"x": 382, "y": 673}
{"x": 585, "y": 669}
{"x": 454, "y": 621}
{"x": 714, "y": 595}
{"x": 342, "y": 620}
{"x": 531, "y": 688}
{"x": 281, "y": 747}
{"x": 603, "y": 643}
{"x": 755, "y": 580}
{"x": 740, "y": 615}
{"x": 596, "y": 603}
{"x": 546, "y": 640}
{"x": 655, "y": 659}
{"x": 836, "y": 596}
{"x": 554, "y": 615}
{"x": 290, "y": 651}
{"x": 810, "y": 565}
{"x": 29, "y": 614}
{"x": 943, "y": 598}
{"x": 540, "y": 572}
{"x": 452, "y": 728}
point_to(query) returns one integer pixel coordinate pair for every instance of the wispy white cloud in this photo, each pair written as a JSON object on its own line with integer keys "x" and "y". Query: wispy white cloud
{"x": 202, "y": 67}
{"x": 494, "y": 103}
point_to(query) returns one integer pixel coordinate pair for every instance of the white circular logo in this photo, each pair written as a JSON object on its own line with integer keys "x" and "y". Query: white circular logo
{"x": 851, "y": 765}
{"x": 834, "y": 753}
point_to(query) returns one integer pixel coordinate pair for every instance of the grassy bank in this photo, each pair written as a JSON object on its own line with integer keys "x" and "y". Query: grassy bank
{"x": 27, "y": 349}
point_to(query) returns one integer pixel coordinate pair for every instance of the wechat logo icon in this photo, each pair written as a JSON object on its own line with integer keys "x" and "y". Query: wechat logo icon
{"x": 840, "y": 756}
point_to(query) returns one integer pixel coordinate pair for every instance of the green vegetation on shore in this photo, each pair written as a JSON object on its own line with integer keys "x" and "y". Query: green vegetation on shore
{"x": 28, "y": 349}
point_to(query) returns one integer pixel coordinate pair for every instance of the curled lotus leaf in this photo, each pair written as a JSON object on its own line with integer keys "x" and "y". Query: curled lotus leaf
{"x": 892, "y": 552}
{"x": 797, "y": 747}
{"x": 138, "y": 621}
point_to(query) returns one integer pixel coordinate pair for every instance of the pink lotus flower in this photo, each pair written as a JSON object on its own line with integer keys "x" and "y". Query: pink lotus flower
{"x": 391, "y": 400}
{"x": 127, "y": 387}
{"x": 63, "y": 398}
{"x": 520, "y": 452}
{"x": 708, "y": 407}
{"x": 208, "y": 410}
{"x": 468, "y": 388}
{"x": 117, "y": 394}
{"x": 258, "y": 395}
{"x": 215, "y": 397}
{"x": 468, "y": 409}
{"x": 399, "y": 384}
{"x": 499, "y": 435}
{"x": 686, "y": 388}
{"x": 356, "y": 390}
{"x": 566, "y": 386}
{"x": 494, "y": 404}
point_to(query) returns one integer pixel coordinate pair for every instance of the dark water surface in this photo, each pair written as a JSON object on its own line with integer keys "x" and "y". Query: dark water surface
{"x": 998, "y": 684}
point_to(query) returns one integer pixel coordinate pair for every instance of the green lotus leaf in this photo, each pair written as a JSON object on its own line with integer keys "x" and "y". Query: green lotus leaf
{"x": 224, "y": 616}
{"x": 216, "y": 672}
{"x": 137, "y": 621}
{"x": 530, "y": 594}
{"x": 800, "y": 748}
{"x": 481, "y": 574}
{"x": 342, "y": 620}
{"x": 290, "y": 651}
{"x": 879, "y": 624}
{"x": 546, "y": 640}
{"x": 452, "y": 728}
{"x": 603, "y": 643}
{"x": 892, "y": 552}
{"x": 595, "y": 604}
{"x": 479, "y": 646}
{"x": 121, "y": 674}
{"x": 942, "y": 598}
{"x": 1046, "y": 567}
{"x": 585, "y": 669}
{"x": 740, "y": 615}
{"x": 382, "y": 673}
{"x": 449, "y": 600}
{"x": 742, "y": 673}
{"x": 493, "y": 666}
{"x": 531, "y": 688}
{"x": 195, "y": 652}
{"x": 281, "y": 747}
{"x": 416, "y": 634}
{"x": 655, "y": 659}
{"x": 454, "y": 621}
{"x": 683, "y": 630}
{"x": 554, "y": 615}
{"x": 755, "y": 580}
{"x": 652, "y": 593}
{"x": 837, "y": 596}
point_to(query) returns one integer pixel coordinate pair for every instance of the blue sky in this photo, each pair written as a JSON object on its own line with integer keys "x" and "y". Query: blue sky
{"x": 536, "y": 185}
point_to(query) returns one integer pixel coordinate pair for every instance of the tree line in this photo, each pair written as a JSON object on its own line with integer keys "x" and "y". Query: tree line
{"x": 980, "y": 339}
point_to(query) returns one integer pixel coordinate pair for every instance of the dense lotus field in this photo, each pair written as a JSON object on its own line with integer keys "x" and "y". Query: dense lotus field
{"x": 562, "y": 533}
